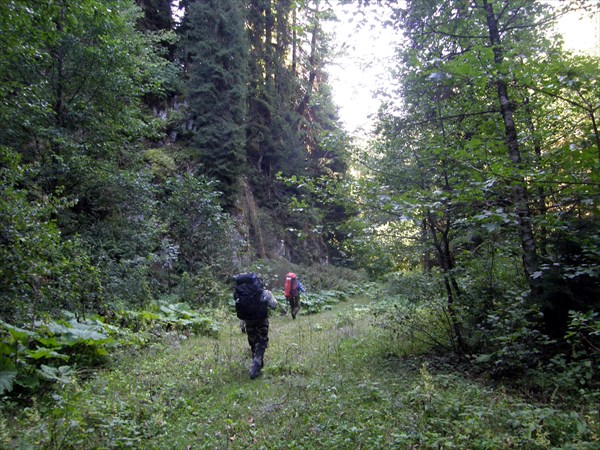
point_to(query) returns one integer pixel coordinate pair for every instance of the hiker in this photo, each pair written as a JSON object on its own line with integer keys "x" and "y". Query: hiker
{"x": 291, "y": 290}
{"x": 252, "y": 303}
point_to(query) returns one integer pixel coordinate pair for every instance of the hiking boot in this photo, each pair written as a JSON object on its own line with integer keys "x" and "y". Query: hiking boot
{"x": 257, "y": 364}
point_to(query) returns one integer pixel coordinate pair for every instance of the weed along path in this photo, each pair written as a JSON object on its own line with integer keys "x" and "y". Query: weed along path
{"x": 331, "y": 381}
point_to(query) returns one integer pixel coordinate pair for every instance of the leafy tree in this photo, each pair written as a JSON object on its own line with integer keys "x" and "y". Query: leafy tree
{"x": 466, "y": 157}
{"x": 270, "y": 130}
{"x": 290, "y": 106}
{"x": 72, "y": 81}
{"x": 197, "y": 224}
{"x": 74, "y": 78}
{"x": 157, "y": 14}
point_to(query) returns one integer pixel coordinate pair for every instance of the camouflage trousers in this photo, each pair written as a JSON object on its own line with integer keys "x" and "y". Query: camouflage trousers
{"x": 258, "y": 336}
{"x": 294, "y": 305}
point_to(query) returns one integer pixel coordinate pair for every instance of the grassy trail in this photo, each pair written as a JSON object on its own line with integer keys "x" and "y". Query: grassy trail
{"x": 316, "y": 390}
{"x": 329, "y": 382}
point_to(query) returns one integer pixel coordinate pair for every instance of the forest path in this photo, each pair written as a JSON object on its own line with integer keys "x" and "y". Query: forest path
{"x": 325, "y": 384}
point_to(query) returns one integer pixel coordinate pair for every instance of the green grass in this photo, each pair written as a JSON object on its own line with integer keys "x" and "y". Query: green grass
{"x": 331, "y": 380}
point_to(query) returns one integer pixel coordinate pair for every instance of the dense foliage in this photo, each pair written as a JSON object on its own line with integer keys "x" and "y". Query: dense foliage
{"x": 330, "y": 381}
{"x": 483, "y": 174}
{"x": 147, "y": 153}
{"x": 128, "y": 147}
{"x": 217, "y": 60}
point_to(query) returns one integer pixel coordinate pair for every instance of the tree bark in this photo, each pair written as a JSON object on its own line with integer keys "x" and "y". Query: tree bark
{"x": 312, "y": 62}
{"x": 518, "y": 187}
{"x": 596, "y": 132}
{"x": 58, "y": 53}
{"x": 442, "y": 245}
{"x": 540, "y": 201}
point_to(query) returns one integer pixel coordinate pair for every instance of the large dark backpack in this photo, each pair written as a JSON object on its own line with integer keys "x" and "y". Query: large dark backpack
{"x": 248, "y": 297}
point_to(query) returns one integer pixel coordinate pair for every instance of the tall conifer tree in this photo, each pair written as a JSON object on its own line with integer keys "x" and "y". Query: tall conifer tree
{"x": 216, "y": 50}
{"x": 157, "y": 14}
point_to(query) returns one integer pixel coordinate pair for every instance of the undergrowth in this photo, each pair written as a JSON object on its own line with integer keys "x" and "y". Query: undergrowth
{"x": 47, "y": 352}
{"x": 331, "y": 380}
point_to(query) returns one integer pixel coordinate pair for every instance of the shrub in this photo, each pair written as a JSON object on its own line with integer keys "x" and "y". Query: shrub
{"x": 415, "y": 327}
{"x": 172, "y": 317}
{"x": 36, "y": 262}
{"x": 49, "y": 352}
{"x": 416, "y": 287}
{"x": 202, "y": 290}
{"x": 318, "y": 277}
{"x": 321, "y": 301}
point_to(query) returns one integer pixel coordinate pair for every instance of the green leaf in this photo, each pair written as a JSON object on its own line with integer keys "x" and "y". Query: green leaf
{"x": 48, "y": 342}
{"x": 483, "y": 358}
{"x": 30, "y": 381}
{"x": 18, "y": 334}
{"x": 7, "y": 378}
{"x": 43, "y": 352}
{"x": 61, "y": 374}
{"x": 6, "y": 349}
{"x": 75, "y": 331}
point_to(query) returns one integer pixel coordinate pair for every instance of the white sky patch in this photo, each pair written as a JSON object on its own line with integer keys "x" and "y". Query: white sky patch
{"x": 176, "y": 12}
{"x": 363, "y": 69}
{"x": 581, "y": 32}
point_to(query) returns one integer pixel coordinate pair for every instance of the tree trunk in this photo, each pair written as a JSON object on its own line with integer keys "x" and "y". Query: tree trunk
{"x": 58, "y": 53}
{"x": 541, "y": 192}
{"x": 596, "y": 132}
{"x": 442, "y": 246}
{"x": 518, "y": 187}
{"x": 312, "y": 61}
{"x": 294, "y": 40}
{"x": 269, "y": 47}
{"x": 255, "y": 227}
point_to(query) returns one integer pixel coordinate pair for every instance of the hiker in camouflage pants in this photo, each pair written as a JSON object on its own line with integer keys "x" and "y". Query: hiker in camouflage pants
{"x": 258, "y": 335}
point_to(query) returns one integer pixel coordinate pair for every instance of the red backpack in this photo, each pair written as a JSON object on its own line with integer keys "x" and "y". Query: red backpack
{"x": 290, "y": 288}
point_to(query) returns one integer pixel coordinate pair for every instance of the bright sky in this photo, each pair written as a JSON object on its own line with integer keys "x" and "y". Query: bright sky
{"x": 581, "y": 33}
{"x": 364, "y": 68}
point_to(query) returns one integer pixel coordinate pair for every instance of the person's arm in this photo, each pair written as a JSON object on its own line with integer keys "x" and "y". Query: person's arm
{"x": 301, "y": 287}
{"x": 270, "y": 298}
